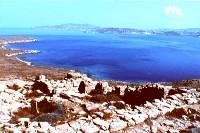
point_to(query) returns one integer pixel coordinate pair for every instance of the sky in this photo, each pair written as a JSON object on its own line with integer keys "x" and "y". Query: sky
{"x": 141, "y": 14}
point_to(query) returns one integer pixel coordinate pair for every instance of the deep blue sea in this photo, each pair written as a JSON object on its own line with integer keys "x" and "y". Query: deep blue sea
{"x": 136, "y": 58}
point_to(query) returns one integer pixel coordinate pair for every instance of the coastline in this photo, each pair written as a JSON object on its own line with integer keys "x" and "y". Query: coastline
{"x": 7, "y": 42}
{"x": 21, "y": 53}
{"x": 13, "y": 67}
{"x": 50, "y": 72}
{"x": 10, "y": 54}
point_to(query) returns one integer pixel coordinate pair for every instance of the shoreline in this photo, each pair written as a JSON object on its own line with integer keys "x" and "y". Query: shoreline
{"x": 11, "y": 53}
{"x": 14, "y": 52}
{"x": 5, "y": 44}
{"x": 13, "y": 67}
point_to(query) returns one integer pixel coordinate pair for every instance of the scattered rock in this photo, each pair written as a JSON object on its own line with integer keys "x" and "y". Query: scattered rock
{"x": 89, "y": 128}
{"x": 191, "y": 100}
{"x": 191, "y": 130}
{"x": 104, "y": 125}
{"x": 117, "y": 125}
{"x": 138, "y": 118}
{"x": 64, "y": 128}
{"x": 32, "y": 107}
{"x": 92, "y": 106}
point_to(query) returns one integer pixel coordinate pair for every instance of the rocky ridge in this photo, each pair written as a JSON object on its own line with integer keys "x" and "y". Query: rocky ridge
{"x": 80, "y": 104}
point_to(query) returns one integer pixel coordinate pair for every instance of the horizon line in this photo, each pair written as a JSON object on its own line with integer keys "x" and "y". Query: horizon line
{"x": 52, "y": 26}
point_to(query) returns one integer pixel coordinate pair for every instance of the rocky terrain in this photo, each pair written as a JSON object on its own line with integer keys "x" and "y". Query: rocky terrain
{"x": 80, "y": 104}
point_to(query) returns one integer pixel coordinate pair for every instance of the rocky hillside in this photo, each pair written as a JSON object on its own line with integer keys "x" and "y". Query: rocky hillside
{"x": 80, "y": 104}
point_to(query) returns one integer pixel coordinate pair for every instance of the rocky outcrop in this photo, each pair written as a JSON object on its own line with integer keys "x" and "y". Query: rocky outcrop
{"x": 98, "y": 89}
{"x": 81, "y": 87}
{"x": 142, "y": 94}
{"x": 80, "y": 104}
{"x": 42, "y": 85}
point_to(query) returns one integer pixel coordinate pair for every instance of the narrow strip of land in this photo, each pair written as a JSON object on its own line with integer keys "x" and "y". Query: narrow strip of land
{"x": 11, "y": 67}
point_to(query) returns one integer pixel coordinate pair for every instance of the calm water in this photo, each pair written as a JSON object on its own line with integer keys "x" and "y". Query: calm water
{"x": 119, "y": 57}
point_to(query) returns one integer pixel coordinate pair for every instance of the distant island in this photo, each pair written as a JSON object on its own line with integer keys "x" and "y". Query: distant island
{"x": 87, "y": 28}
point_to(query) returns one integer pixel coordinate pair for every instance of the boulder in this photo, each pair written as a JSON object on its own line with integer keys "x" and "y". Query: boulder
{"x": 117, "y": 125}
{"x": 138, "y": 118}
{"x": 191, "y": 100}
{"x": 89, "y": 128}
{"x": 104, "y": 125}
{"x": 153, "y": 113}
{"x": 64, "y": 128}
{"x": 154, "y": 126}
{"x": 77, "y": 124}
{"x": 92, "y": 106}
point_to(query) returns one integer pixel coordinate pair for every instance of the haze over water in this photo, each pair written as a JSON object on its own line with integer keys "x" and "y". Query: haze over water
{"x": 136, "y": 58}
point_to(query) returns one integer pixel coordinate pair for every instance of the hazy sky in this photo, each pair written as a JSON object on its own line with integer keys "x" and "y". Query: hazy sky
{"x": 116, "y": 13}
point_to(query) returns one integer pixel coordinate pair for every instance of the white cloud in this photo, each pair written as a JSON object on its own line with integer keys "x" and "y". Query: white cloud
{"x": 171, "y": 10}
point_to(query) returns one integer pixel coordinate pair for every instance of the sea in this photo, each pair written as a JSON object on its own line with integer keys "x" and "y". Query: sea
{"x": 118, "y": 57}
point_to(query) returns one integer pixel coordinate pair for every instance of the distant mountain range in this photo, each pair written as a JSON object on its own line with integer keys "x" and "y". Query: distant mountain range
{"x": 86, "y": 28}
